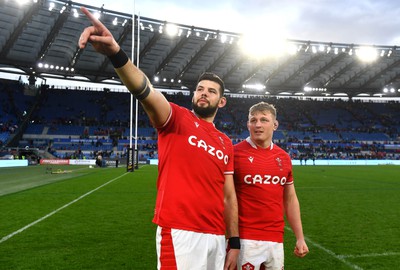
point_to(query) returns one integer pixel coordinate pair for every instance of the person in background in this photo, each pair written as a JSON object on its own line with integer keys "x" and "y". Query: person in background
{"x": 265, "y": 192}
{"x": 196, "y": 206}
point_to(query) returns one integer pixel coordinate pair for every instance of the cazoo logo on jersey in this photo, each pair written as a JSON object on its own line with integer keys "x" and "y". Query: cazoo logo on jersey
{"x": 208, "y": 148}
{"x": 264, "y": 179}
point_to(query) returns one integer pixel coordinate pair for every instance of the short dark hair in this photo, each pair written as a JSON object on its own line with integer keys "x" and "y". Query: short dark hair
{"x": 209, "y": 76}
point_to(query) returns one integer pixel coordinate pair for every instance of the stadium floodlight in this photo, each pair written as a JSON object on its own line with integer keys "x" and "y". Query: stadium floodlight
{"x": 51, "y": 6}
{"x": 292, "y": 49}
{"x": 75, "y": 11}
{"x": 223, "y": 38}
{"x": 22, "y": 2}
{"x": 336, "y": 50}
{"x": 314, "y": 49}
{"x": 263, "y": 45}
{"x": 367, "y": 54}
{"x": 256, "y": 86}
{"x": 340, "y": 94}
{"x": 172, "y": 29}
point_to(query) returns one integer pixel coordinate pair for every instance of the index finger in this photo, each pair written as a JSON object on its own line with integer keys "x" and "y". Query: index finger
{"x": 91, "y": 17}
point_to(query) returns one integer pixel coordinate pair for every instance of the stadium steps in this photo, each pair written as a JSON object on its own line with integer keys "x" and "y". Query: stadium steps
{"x": 45, "y": 130}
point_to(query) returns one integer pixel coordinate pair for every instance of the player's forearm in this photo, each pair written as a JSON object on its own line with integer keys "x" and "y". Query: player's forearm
{"x": 293, "y": 216}
{"x": 231, "y": 219}
{"x": 231, "y": 215}
{"x": 154, "y": 103}
{"x": 132, "y": 77}
{"x": 231, "y": 207}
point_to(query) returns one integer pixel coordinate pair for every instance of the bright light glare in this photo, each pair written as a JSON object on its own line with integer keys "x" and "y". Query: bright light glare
{"x": 262, "y": 45}
{"x": 292, "y": 49}
{"x": 256, "y": 86}
{"x": 172, "y": 29}
{"x": 367, "y": 54}
{"x": 23, "y": 2}
{"x": 75, "y": 11}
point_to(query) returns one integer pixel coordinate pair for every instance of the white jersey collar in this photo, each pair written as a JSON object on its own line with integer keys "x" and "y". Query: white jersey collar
{"x": 255, "y": 146}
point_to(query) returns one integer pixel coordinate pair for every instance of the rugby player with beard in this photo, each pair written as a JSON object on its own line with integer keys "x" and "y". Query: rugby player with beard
{"x": 196, "y": 206}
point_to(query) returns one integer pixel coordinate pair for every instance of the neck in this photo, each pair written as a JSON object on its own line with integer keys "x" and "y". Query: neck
{"x": 262, "y": 144}
{"x": 209, "y": 119}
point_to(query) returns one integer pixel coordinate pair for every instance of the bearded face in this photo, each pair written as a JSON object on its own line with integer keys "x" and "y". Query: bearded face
{"x": 207, "y": 99}
{"x": 203, "y": 110}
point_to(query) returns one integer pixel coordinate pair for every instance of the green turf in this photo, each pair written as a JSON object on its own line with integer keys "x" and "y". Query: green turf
{"x": 101, "y": 218}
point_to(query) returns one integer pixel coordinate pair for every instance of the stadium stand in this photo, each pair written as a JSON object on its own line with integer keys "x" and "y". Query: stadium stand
{"x": 79, "y": 123}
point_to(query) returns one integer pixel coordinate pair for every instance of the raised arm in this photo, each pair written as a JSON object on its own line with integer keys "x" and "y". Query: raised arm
{"x": 154, "y": 103}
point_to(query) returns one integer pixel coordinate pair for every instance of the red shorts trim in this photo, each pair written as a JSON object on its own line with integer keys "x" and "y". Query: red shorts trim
{"x": 167, "y": 253}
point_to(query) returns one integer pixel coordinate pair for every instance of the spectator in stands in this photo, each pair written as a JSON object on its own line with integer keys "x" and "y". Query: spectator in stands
{"x": 196, "y": 162}
{"x": 265, "y": 190}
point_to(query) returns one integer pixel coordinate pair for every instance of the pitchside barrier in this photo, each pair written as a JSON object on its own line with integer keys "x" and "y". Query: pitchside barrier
{"x": 327, "y": 162}
{"x": 13, "y": 163}
{"x": 113, "y": 163}
{"x": 341, "y": 162}
{"x": 89, "y": 162}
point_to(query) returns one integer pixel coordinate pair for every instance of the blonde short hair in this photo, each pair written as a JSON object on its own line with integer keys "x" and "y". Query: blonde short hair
{"x": 262, "y": 107}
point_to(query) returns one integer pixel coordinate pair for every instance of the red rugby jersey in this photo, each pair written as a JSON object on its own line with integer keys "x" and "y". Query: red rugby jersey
{"x": 193, "y": 159}
{"x": 260, "y": 177}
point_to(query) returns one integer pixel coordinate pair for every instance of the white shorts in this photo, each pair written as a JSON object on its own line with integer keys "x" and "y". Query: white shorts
{"x": 186, "y": 250}
{"x": 265, "y": 254}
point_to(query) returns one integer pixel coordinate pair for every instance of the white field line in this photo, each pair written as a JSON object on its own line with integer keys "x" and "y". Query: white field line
{"x": 384, "y": 254}
{"x": 5, "y": 238}
{"x": 338, "y": 257}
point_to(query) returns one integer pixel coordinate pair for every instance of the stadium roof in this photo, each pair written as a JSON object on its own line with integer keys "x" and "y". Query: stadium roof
{"x": 40, "y": 38}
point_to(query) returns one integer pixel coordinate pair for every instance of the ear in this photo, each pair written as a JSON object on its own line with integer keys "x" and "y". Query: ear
{"x": 276, "y": 124}
{"x": 222, "y": 102}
